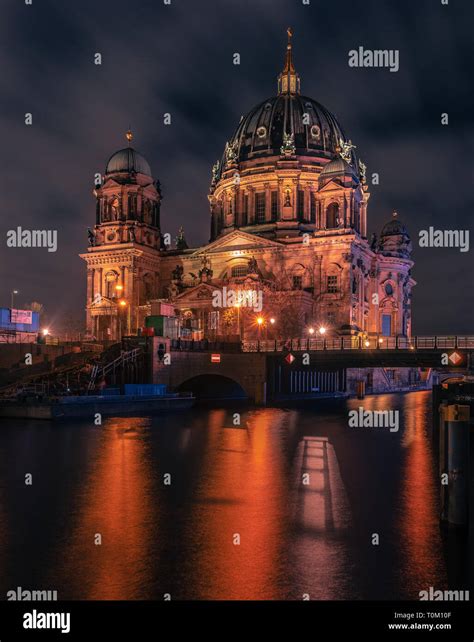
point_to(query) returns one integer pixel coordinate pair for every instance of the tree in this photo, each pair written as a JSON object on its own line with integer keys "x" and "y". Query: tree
{"x": 35, "y": 306}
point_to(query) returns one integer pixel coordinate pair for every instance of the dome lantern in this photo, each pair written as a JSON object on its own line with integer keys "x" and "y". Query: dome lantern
{"x": 289, "y": 80}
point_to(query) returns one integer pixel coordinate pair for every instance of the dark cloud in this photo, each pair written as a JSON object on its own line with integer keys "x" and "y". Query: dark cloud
{"x": 178, "y": 59}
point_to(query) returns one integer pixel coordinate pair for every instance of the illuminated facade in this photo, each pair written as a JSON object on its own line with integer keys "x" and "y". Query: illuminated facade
{"x": 288, "y": 204}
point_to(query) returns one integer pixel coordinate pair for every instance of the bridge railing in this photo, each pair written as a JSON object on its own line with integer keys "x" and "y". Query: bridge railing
{"x": 360, "y": 343}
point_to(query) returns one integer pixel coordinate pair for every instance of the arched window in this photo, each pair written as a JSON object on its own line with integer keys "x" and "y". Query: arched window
{"x": 110, "y": 283}
{"x": 332, "y": 216}
{"x": 240, "y": 270}
{"x": 298, "y": 273}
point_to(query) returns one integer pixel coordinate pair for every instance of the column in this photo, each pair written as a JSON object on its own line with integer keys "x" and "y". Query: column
{"x": 268, "y": 202}
{"x": 307, "y": 204}
{"x": 140, "y": 205}
{"x": 132, "y": 296}
{"x": 99, "y": 281}
{"x": 90, "y": 285}
{"x": 295, "y": 199}
{"x": 251, "y": 212}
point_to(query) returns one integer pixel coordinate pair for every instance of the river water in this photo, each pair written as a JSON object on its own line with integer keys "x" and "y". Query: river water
{"x": 287, "y": 505}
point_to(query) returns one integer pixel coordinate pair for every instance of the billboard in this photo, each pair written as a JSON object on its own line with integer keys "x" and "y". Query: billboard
{"x": 21, "y": 316}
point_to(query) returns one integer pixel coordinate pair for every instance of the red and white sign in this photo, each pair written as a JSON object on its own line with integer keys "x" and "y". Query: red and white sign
{"x": 215, "y": 358}
{"x": 455, "y": 358}
{"x": 167, "y": 310}
{"x": 290, "y": 358}
{"x": 21, "y": 316}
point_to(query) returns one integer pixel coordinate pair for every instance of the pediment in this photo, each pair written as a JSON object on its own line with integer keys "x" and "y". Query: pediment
{"x": 330, "y": 186}
{"x": 197, "y": 293}
{"x": 110, "y": 182}
{"x": 236, "y": 240}
{"x": 103, "y": 302}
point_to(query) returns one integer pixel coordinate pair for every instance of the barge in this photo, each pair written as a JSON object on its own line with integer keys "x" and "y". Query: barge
{"x": 136, "y": 400}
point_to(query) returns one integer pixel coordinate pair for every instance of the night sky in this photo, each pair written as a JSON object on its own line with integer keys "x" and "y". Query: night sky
{"x": 179, "y": 59}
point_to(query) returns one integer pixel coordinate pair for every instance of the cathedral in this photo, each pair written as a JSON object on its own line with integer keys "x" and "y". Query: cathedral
{"x": 288, "y": 253}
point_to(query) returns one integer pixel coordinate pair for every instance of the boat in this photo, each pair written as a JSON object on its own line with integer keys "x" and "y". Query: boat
{"x": 135, "y": 400}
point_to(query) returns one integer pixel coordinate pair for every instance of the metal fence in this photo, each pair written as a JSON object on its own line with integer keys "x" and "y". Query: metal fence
{"x": 360, "y": 343}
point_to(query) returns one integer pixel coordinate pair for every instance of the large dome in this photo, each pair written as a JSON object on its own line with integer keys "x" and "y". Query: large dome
{"x": 287, "y": 125}
{"x": 271, "y": 178}
{"x": 315, "y": 130}
{"x": 128, "y": 160}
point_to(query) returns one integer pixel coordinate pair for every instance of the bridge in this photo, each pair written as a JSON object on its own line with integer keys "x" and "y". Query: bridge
{"x": 306, "y": 367}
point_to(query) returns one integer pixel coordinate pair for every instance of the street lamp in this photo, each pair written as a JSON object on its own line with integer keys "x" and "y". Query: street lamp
{"x": 123, "y": 303}
{"x": 322, "y": 330}
{"x": 13, "y": 294}
{"x": 45, "y": 332}
{"x": 311, "y": 330}
{"x": 259, "y": 325}
{"x": 272, "y": 320}
{"x": 237, "y": 306}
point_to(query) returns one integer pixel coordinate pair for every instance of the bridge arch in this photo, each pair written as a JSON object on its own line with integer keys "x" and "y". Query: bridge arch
{"x": 213, "y": 386}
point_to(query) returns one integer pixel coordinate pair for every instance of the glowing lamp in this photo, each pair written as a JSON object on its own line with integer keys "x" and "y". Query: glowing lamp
{"x": 322, "y": 330}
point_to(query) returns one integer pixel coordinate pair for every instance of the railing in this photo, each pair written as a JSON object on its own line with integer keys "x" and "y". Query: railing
{"x": 124, "y": 358}
{"x": 360, "y": 343}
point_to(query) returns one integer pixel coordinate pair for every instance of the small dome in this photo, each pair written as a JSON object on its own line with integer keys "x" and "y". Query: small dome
{"x": 394, "y": 227}
{"x": 394, "y": 239}
{"x": 337, "y": 167}
{"x": 128, "y": 160}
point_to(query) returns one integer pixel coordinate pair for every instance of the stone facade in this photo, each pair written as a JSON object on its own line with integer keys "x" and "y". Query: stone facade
{"x": 288, "y": 251}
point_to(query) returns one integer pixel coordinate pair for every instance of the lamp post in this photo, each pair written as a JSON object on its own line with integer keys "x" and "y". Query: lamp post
{"x": 259, "y": 325}
{"x": 237, "y": 306}
{"x": 272, "y": 321}
{"x": 122, "y": 304}
{"x": 13, "y": 294}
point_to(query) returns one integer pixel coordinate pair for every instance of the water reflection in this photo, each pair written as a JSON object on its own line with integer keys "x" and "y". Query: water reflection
{"x": 322, "y": 517}
{"x": 282, "y": 506}
{"x": 115, "y": 505}
{"x": 238, "y": 513}
{"x": 421, "y": 559}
